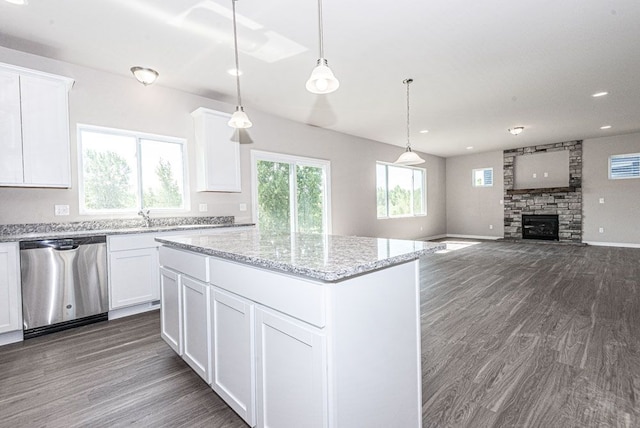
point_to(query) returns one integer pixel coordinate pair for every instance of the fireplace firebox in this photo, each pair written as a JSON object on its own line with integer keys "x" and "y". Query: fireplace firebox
{"x": 540, "y": 226}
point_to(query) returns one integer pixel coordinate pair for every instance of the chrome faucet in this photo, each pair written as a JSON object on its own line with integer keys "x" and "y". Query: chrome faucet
{"x": 146, "y": 217}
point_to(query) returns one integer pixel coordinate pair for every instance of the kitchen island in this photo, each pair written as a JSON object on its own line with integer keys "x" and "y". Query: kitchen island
{"x": 299, "y": 330}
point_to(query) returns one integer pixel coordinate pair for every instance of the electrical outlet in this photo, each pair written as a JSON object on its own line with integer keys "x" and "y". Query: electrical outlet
{"x": 546, "y": 174}
{"x": 490, "y": 227}
{"x": 601, "y": 200}
{"x": 243, "y": 207}
{"x": 61, "y": 209}
{"x": 535, "y": 175}
{"x": 601, "y": 230}
{"x": 203, "y": 208}
{"x": 501, "y": 201}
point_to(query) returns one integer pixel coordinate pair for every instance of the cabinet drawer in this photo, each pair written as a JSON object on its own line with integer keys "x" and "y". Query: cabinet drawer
{"x": 132, "y": 242}
{"x": 188, "y": 263}
{"x": 301, "y": 299}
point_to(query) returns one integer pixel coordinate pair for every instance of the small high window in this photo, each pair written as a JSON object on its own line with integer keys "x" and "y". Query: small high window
{"x": 482, "y": 177}
{"x": 624, "y": 166}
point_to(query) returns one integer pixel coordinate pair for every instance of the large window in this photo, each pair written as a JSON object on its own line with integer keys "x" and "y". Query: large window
{"x": 401, "y": 190}
{"x": 125, "y": 171}
{"x": 482, "y": 177}
{"x": 624, "y": 166}
{"x": 291, "y": 193}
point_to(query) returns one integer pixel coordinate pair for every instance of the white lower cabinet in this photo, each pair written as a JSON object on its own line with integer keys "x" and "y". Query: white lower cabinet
{"x": 232, "y": 349}
{"x": 10, "y": 301}
{"x": 133, "y": 277}
{"x": 171, "y": 309}
{"x": 291, "y": 372}
{"x": 196, "y": 326}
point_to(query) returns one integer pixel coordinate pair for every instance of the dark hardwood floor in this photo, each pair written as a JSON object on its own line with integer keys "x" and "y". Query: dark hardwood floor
{"x": 531, "y": 335}
{"x": 513, "y": 335}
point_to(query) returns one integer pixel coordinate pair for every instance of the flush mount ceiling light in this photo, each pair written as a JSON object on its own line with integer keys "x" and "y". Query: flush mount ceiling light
{"x": 18, "y": 2}
{"x": 605, "y": 127}
{"x": 408, "y": 157}
{"x": 600, "y": 94}
{"x": 517, "y": 130}
{"x": 146, "y": 76}
{"x": 322, "y": 80}
{"x": 239, "y": 119}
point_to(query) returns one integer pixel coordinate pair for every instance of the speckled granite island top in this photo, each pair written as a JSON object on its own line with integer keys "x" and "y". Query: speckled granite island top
{"x": 326, "y": 258}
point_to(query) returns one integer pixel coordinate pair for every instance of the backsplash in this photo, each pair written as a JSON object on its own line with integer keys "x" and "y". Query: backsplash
{"x": 16, "y": 229}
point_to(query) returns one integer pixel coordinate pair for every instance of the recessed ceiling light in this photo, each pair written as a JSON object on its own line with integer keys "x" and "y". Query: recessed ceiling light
{"x": 424, "y": 131}
{"x": 516, "y": 130}
{"x": 470, "y": 148}
{"x": 20, "y": 2}
{"x": 605, "y": 127}
{"x": 600, "y": 94}
{"x": 234, "y": 72}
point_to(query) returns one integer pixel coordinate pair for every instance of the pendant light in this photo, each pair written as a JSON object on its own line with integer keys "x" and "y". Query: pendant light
{"x": 322, "y": 80}
{"x": 239, "y": 119}
{"x": 408, "y": 157}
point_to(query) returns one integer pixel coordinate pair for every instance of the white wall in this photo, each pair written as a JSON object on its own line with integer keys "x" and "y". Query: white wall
{"x": 106, "y": 99}
{"x": 620, "y": 213}
{"x": 471, "y": 210}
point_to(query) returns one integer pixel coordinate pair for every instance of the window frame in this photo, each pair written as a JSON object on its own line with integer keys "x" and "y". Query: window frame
{"x": 259, "y": 155}
{"x": 473, "y": 177}
{"x": 182, "y": 142}
{"x": 623, "y": 156}
{"x": 424, "y": 192}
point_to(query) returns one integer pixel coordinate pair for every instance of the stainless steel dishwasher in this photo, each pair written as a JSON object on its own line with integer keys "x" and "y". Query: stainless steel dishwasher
{"x": 64, "y": 283}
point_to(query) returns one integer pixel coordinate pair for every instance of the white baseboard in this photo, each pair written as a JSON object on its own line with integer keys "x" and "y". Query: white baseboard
{"x": 431, "y": 238}
{"x": 612, "y": 244}
{"x": 114, "y": 314}
{"x": 11, "y": 337}
{"x": 451, "y": 235}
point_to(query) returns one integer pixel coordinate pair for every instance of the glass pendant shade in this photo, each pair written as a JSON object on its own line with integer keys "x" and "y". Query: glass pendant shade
{"x": 146, "y": 76}
{"x": 322, "y": 80}
{"x": 239, "y": 119}
{"x": 409, "y": 158}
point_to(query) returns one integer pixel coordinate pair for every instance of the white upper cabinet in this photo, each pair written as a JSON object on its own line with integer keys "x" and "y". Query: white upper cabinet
{"x": 218, "y": 157}
{"x": 34, "y": 128}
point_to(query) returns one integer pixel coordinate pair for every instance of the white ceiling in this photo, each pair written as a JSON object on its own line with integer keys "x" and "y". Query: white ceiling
{"x": 479, "y": 67}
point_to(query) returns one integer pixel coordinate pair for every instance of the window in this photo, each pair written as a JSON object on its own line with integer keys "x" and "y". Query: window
{"x": 125, "y": 171}
{"x": 401, "y": 190}
{"x": 482, "y": 177}
{"x": 624, "y": 166}
{"x": 291, "y": 193}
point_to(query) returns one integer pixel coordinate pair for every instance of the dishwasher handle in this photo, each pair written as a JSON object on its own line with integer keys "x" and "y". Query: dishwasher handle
{"x": 63, "y": 244}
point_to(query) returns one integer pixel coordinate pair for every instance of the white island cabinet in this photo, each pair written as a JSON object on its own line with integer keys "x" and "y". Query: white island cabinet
{"x": 304, "y": 330}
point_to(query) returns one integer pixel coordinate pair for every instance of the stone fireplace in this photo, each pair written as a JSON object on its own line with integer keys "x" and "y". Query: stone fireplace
{"x": 564, "y": 202}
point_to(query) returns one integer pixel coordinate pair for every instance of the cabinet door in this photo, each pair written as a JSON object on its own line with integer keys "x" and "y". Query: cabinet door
{"x": 10, "y": 304}
{"x": 233, "y": 365}
{"x": 45, "y": 131}
{"x": 10, "y": 129}
{"x": 291, "y": 372}
{"x": 133, "y": 277}
{"x": 171, "y": 309}
{"x": 196, "y": 323}
{"x": 218, "y": 155}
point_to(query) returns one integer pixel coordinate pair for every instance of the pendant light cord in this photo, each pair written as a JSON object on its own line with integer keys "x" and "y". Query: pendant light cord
{"x": 235, "y": 44}
{"x": 320, "y": 28}
{"x": 408, "y": 82}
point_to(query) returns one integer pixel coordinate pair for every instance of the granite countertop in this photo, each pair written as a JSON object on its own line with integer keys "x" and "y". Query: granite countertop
{"x": 328, "y": 258}
{"x": 82, "y": 229}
